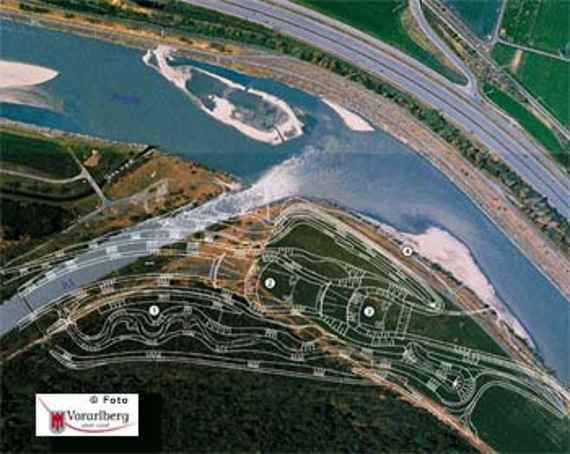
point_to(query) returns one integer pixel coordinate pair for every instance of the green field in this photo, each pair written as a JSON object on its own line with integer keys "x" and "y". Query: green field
{"x": 26, "y": 153}
{"x": 383, "y": 20}
{"x": 545, "y": 78}
{"x": 543, "y": 24}
{"x": 503, "y": 54}
{"x": 547, "y": 433}
{"x": 479, "y": 15}
{"x": 458, "y": 330}
{"x": 530, "y": 123}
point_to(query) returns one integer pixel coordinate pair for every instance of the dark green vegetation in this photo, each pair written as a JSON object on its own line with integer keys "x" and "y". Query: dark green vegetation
{"x": 34, "y": 210}
{"x": 44, "y": 190}
{"x": 542, "y": 24}
{"x": 182, "y": 17}
{"x": 39, "y": 156}
{"x": 548, "y": 79}
{"x": 384, "y": 20}
{"x": 33, "y": 220}
{"x": 457, "y": 330}
{"x": 547, "y": 434}
{"x": 545, "y": 77}
{"x": 504, "y": 54}
{"x": 307, "y": 238}
{"x": 186, "y": 408}
{"x": 110, "y": 157}
{"x": 480, "y": 15}
{"x": 530, "y": 123}
{"x": 506, "y": 420}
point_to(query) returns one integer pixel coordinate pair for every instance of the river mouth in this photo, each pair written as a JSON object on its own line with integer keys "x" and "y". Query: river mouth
{"x": 367, "y": 171}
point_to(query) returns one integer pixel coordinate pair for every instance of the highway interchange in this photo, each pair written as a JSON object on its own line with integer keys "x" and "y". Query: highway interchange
{"x": 465, "y": 109}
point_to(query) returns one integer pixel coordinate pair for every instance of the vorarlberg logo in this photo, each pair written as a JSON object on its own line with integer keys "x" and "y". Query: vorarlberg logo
{"x": 57, "y": 421}
{"x": 76, "y": 415}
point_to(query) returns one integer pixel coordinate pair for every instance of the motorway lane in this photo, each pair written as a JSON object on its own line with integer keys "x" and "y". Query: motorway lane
{"x": 491, "y": 129}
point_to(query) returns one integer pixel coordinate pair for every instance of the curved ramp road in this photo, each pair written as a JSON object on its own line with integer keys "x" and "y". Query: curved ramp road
{"x": 497, "y": 133}
{"x": 417, "y": 12}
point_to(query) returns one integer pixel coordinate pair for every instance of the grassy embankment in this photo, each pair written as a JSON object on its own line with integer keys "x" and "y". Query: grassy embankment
{"x": 459, "y": 330}
{"x": 536, "y": 128}
{"x": 529, "y": 428}
{"x": 390, "y": 21}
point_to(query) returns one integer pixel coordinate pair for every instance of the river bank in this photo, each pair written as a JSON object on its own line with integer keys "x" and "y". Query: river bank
{"x": 383, "y": 114}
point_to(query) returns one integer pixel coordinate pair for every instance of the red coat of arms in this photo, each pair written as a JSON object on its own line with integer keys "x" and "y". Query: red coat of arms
{"x": 57, "y": 421}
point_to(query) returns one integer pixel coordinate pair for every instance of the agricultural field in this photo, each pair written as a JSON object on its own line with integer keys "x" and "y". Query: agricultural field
{"x": 536, "y": 128}
{"x": 544, "y": 77}
{"x": 389, "y": 21}
{"x": 541, "y": 24}
{"x": 480, "y": 16}
{"x": 545, "y": 434}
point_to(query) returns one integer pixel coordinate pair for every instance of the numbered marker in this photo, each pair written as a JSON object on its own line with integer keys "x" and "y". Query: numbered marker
{"x": 153, "y": 310}
{"x": 369, "y": 311}
{"x": 269, "y": 283}
{"x": 408, "y": 251}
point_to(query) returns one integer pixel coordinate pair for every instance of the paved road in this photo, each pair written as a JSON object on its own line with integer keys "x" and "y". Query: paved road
{"x": 417, "y": 12}
{"x": 79, "y": 176}
{"x": 491, "y": 129}
{"x": 534, "y": 50}
{"x": 483, "y": 49}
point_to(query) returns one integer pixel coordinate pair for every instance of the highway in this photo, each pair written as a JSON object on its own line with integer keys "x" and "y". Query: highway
{"x": 471, "y": 113}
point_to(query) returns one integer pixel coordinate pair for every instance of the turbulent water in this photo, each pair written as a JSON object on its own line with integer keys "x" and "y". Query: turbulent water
{"x": 116, "y": 94}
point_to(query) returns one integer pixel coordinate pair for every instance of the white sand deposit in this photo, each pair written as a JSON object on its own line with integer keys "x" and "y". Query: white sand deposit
{"x": 291, "y": 128}
{"x": 350, "y": 119}
{"x": 452, "y": 255}
{"x": 176, "y": 75}
{"x": 444, "y": 249}
{"x": 19, "y": 84}
{"x": 14, "y": 74}
{"x": 225, "y": 112}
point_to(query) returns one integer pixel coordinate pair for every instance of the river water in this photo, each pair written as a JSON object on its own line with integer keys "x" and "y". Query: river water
{"x": 107, "y": 90}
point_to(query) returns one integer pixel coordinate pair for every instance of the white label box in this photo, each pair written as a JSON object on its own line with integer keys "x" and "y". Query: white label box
{"x": 87, "y": 415}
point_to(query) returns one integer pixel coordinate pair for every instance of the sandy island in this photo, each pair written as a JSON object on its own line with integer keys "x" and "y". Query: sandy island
{"x": 14, "y": 74}
{"x": 224, "y": 110}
